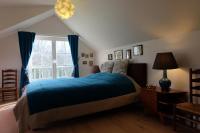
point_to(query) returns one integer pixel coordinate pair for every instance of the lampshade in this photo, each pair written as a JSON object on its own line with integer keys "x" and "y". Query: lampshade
{"x": 64, "y": 8}
{"x": 165, "y": 61}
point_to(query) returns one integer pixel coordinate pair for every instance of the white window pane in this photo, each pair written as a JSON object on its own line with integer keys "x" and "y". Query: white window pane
{"x": 64, "y": 71}
{"x": 36, "y": 59}
{"x": 42, "y": 53}
{"x": 40, "y": 73}
{"x": 41, "y": 61}
{"x": 62, "y": 47}
{"x": 64, "y": 60}
{"x": 40, "y": 64}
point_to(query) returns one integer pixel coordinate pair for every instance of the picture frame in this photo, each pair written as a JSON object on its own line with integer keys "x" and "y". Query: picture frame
{"x": 128, "y": 54}
{"x": 82, "y": 54}
{"x": 91, "y": 63}
{"x": 84, "y": 62}
{"x": 138, "y": 50}
{"x": 110, "y": 56}
{"x": 118, "y": 54}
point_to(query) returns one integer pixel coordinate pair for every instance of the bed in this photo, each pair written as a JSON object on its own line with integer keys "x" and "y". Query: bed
{"x": 91, "y": 94}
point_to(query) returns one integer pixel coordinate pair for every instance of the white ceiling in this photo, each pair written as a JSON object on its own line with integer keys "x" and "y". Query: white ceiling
{"x": 110, "y": 23}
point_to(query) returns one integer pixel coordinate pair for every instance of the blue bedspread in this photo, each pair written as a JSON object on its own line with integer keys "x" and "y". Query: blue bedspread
{"x": 48, "y": 94}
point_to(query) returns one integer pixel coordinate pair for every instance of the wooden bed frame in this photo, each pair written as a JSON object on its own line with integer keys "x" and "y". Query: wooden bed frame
{"x": 138, "y": 71}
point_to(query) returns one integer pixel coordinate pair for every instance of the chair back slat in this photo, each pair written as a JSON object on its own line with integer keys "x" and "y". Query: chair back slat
{"x": 9, "y": 84}
{"x": 197, "y": 80}
{"x": 196, "y": 87}
{"x": 10, "y": 70}
{"x": 8, "y": 75}
{"x": 9, "y": 78}
{"x": 197, "y": 71}
{"x": 196, "y": 95}
{"x": 194, "y": 77}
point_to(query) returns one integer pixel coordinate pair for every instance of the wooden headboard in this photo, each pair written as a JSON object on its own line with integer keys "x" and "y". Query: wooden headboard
{"x": 138, "y": 71}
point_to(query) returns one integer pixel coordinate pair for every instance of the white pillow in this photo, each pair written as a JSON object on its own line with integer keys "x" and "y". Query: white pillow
{"x": 120, "y": 67}
{"x": 107, "y": 67}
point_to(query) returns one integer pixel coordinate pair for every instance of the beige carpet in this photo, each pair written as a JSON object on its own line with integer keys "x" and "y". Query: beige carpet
{"x": 125, "y": 121}
{"x": 7, "y": 119}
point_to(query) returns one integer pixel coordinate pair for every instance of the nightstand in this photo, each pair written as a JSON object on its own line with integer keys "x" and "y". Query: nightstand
{"x": 161, "y": 103}
{"x": 167, "y": 100}
{"x": 148, "y": 97}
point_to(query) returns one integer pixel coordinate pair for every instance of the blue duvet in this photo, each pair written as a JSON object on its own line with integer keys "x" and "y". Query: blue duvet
{"x": 48, "y": 94}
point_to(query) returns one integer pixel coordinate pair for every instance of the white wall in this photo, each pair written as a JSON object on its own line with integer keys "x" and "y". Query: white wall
{"x": 85, "y": 69}
{"x": 52, "y": 26}
{"x": 186, "y": 49}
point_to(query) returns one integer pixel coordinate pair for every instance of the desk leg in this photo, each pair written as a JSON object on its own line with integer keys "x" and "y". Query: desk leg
{"x": 162, "y": 117}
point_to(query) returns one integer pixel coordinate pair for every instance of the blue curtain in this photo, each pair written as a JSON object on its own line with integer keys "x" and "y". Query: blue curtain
{"x": 73, "y": 42}
{"x": 26, "y": 40}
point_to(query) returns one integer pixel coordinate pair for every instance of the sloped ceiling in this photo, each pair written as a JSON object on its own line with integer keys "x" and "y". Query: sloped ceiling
{"x": 110, "y": 23}
{"x": 10, "y": 16}
{"x": 17, "y": 18}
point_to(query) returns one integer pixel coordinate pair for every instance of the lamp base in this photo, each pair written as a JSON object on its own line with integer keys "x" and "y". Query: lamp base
{"x": 165, "y": 84}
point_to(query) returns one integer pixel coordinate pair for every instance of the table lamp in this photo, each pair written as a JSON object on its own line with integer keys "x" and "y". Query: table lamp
{"x": 165, "y": 61}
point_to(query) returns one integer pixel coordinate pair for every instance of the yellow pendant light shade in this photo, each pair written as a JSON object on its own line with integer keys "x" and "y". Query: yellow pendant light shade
{"x": 64, "y": 8}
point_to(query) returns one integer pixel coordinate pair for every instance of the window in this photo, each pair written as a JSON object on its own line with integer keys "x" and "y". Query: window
{"x": 51, "y": 58}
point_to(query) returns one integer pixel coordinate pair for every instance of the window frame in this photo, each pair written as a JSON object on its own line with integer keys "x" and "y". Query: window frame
{"x": 53, "y": 39}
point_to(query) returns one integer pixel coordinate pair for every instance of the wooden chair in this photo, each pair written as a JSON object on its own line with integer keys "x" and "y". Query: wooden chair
{"x": 189, "y": 113}
{"x": 9, "y": 85}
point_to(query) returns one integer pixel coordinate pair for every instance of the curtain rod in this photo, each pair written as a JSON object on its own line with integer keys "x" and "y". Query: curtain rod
{"x": 59, "y": 36}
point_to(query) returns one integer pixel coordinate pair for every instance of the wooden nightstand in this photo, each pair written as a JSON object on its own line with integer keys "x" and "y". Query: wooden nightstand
{"x": 167, "y": 100}
{"x": 161, "y": 103}
{"x": 149, "y": 99}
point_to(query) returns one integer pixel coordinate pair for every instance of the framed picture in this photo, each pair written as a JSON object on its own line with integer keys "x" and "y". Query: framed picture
{"x": 128, "y": 54}
{"x": 118, "y": 54}
{"x": 138, "y": 50}
{"x": 86, "y": 56}
{"x": 91, "y": 63}
{"x": 82, "y": 54}
{"x": 110, "y": 57}
{"x": 84, "y": 62}
{"x": 91, "y": 55}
